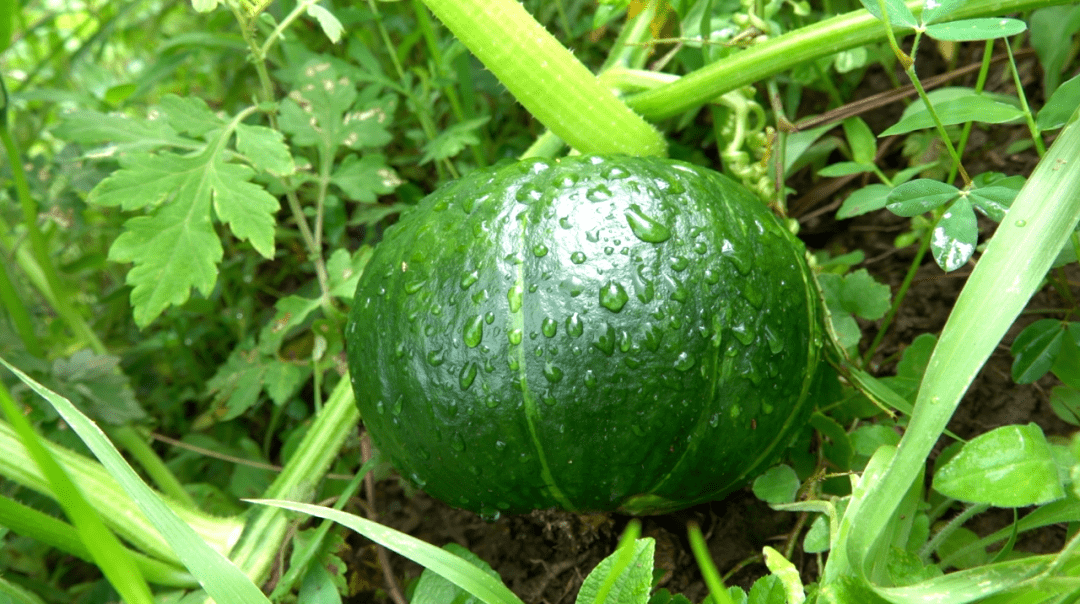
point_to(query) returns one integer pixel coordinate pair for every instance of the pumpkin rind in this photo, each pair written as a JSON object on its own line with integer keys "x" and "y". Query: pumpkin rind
{"x": 593, "y": 333}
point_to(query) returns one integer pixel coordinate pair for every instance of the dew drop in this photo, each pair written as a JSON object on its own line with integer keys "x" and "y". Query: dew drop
{"x": 592, "y": 236}
{"x": 549, "y": 327}
{"x": 776, "y": 345}
{"x": 598, "y": 193}
{"x": 712, "y": 276}
{"x": 684, "y": 361}
{"x": 414, "y": 286}
{"x": 700, "y": 247}
{"x": 590, "y": 378}
{"x": 743, "y": 333}
{"x": 605, "y": 341}
{"x": 1021, "y": 223}
{"x": 435, "y": 358}
{"x": 574, "y": 326}
{"x": 646, "y": 228}
{"x": 467, "y": 375}
{"x": 714, "y": 421}
{"x": 513, "y": 296}
{"x": 380, "y": 408}
{"x": 500, "y": 445}
{"x": 577, "y": 257}
{"x": 399, "y": 350}
{"x": 491, "y": 402}
{"x": 613, "y": 296}
{"x": 514, "y": 335}
{"x": 679, "y": 263}
{"x": 473, "y": 331}
{"x": 564, "y": 222}
{"x": 398, "y": 405}
{"x": 489, "y": 318}
{"x": 457, "y": 443}
{"x": 540, "y": 250}
{"x": 469, "y": 278}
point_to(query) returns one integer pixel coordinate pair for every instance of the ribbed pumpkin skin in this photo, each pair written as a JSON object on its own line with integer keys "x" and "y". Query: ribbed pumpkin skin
{"x": 594, "y": 333}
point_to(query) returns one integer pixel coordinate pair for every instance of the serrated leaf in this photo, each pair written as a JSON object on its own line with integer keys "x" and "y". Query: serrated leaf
{"x": 452, "y": 140}
{"x": 189, "y": 115}
{"x": 265, "y": 148}
{"x": 861, "y": 140}
{"x": 920, "y": 196}
{"x": 174, "y": 250}
{"x": 282, "y": 380}
{"x": 900, "y": 16}
{"x": 291, "y": 312}
{"x": 98, "y": 387}
{"x": 1035, "y": 349}
{"x": 144, "y": 180}
{"x": 1011, "y": 466}
{"x": 237, "y": 384}
{"x": 1060, "y": 105}
{"x": 865, "y": 297}
{"x": 968, "y": 107}
{"x": 955, "y": 236}
{"x": 845, "y": 168}
{"x": 936, "y": 10}
{"x": 120, "y": 131}
{"x": 866, "y": 199}
{"x": 364, "y": 179}
{"x": 969, "y": 30}
{"x": 344, "y": 270}
{"x": 246, "y": 207}
{"x": 320, "y": 111}
{"x": 327, "y": 21}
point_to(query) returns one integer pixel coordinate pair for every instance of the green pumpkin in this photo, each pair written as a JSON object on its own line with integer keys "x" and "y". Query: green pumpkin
{"x": 591, "y": 333}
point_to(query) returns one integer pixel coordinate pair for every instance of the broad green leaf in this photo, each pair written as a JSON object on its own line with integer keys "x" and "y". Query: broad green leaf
{"x": 631, "y": 585}
{"x": 845, "y": 168}
{"x": 434, "y": 589}
{"x": 453, "y": 568}
{"x": 783, "y": 569}
{"x": 327, "y": 21}
{"x": 122, "y": 132}
{"x": 861, "y": 140}
{"x": 867, "y": 439}
{"x": 246, "y": 207}
{"x": 189, "y": 115}
{"x": 912, "y": 365}
{"x": 777, "y": 485}
{"x": 1010, "y": 466}
{"x": 867, "y": 199}
{"x": 265, "y": 148}
{"x": 837, "y": 447}
{"x": 343, "y": 270}
{"x": 1049, "y": 26}
{"x": 1035, "y": 349}
{"x": 955, "y": 106}
{"x": 900, "y": 16}
{"x": 936, "y": 10}
{"x": 817, "y": 537}
{"x": 1060, "y": 105}
{"x": 993, "y": 201}
{"x": 955, "y": 236}
{"x": 364, "y": 179}
{"x": 218, "y": 575}
{"x": 1067, "y": 364}
{"x": 863, "y": 296}
{"x": 1065, "y": 401}
{"x": 969, "y": 30}
{"x": 920, "y": 196}
{"x": 767, "y": 590}
{"x": 145, "y": 180}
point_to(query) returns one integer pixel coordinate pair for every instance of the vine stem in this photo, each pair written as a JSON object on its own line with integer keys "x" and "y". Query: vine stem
{"x": 546, "y": 78}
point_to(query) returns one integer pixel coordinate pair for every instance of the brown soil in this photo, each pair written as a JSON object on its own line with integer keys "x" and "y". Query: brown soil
{"x": 544, "y": 556}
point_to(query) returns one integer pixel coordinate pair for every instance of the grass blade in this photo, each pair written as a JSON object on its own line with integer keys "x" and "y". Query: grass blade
{"x": 453, "y": 568}
{"x": 218, "y": 576}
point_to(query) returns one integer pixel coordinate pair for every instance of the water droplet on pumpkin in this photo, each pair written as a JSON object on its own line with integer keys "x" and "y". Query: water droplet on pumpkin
{"x": 577, "y": 257}
{"x": 552, "y": 373}
{"x": 645, "y": 227}
{"x": 435, "y": 358}
{"x": 613, "y": 296}
{"x": 500, "y": 445}
{"x": 467, "y": 375}
{"x": 712, "y": 276}
{"x": 714, "y": 420}
{"x": 379, "y": 407}
{"x": 469, "y": 278}
{"x": 743, "y": 333}
{"x": 414, "y": 286}
{"x": 399, "y": 350}
{"x": 489, "y": 318}
{"x": 679, "y": 263}
{"x": 491, "y": 402}
{"x": 598, "y": 193}
{"x": 574, "y": 325}
{"x": 398, "y": 405}
{"x": 592, "y": 236}
{"x": 549, "y": 327}
{"x": 564, "y": 222}
{"x": 776, "y": 345}
{"x": 513, "y": 297}
{"x": 473, "y": 331}
{"x": 540, "y": 250}
{"x": 457, "y": 443}
{"x": 727, "y": 249}
{"x": 590, "y": 378}
{"x": 605, "y": 341}
{"x": 514, "y": 335}
{"x": 684, "y": 361}
{"x": 700, "y": 247}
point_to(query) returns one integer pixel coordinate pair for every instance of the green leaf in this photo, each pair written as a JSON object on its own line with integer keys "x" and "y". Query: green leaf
{"x": 265, "y": 148}
{"x": 633, "y": 583}
{"x": 99, "y": 387}
{"x": 968, "y": 30}
{"x": 845, "y": 168}
{"x": 1065, "y": 401}
{"x": 817, "y": 537}
{"x": 955, "y": 106}
{"x": 433, "y": 589}
{"x": 1067, "y": 364}
{"x": 246, "y": 207}
{"x": 861, "y": 140}
{"x": 777, "y": 485}
{"x": 906, "y": 568}
{"x": 120, "y": 132}
{"x": 291, "y": 312}
{"x": 837, "y": 447}
{"x": 452, "y": 140}
{"x": 1060, "y": 105}
{"x": 864, "y": 297}
{"x": 767, "y": 590}
{"x": 936, "y": 10}
{"x": 869, "y": 438}
{"x": 993, "y": 201}
{"x": 1035, "y": 349}
{"x": 282, "y": 380}
{"x": 900, "y": 16}
{"x": 1011, "y": 466}
{"x": 322, "y": 111}
{"x": 189, "y": 115}
{"x": 327, "y": 21}
{"x": 912, "y": 365}
{"x": 920, "y": 196}
{"x": 237, "y": 384}
{"x": 364, "y": 179}
{"x": 1049, "y": 26}
{"x": 955, "y": 236}
{"x": 867, "y": 199}
{"x": 344, "y": 270}
{"x": 784, "y": 570}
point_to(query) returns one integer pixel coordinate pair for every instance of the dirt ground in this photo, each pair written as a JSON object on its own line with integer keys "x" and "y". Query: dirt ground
{"x": 544, "y": 556}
